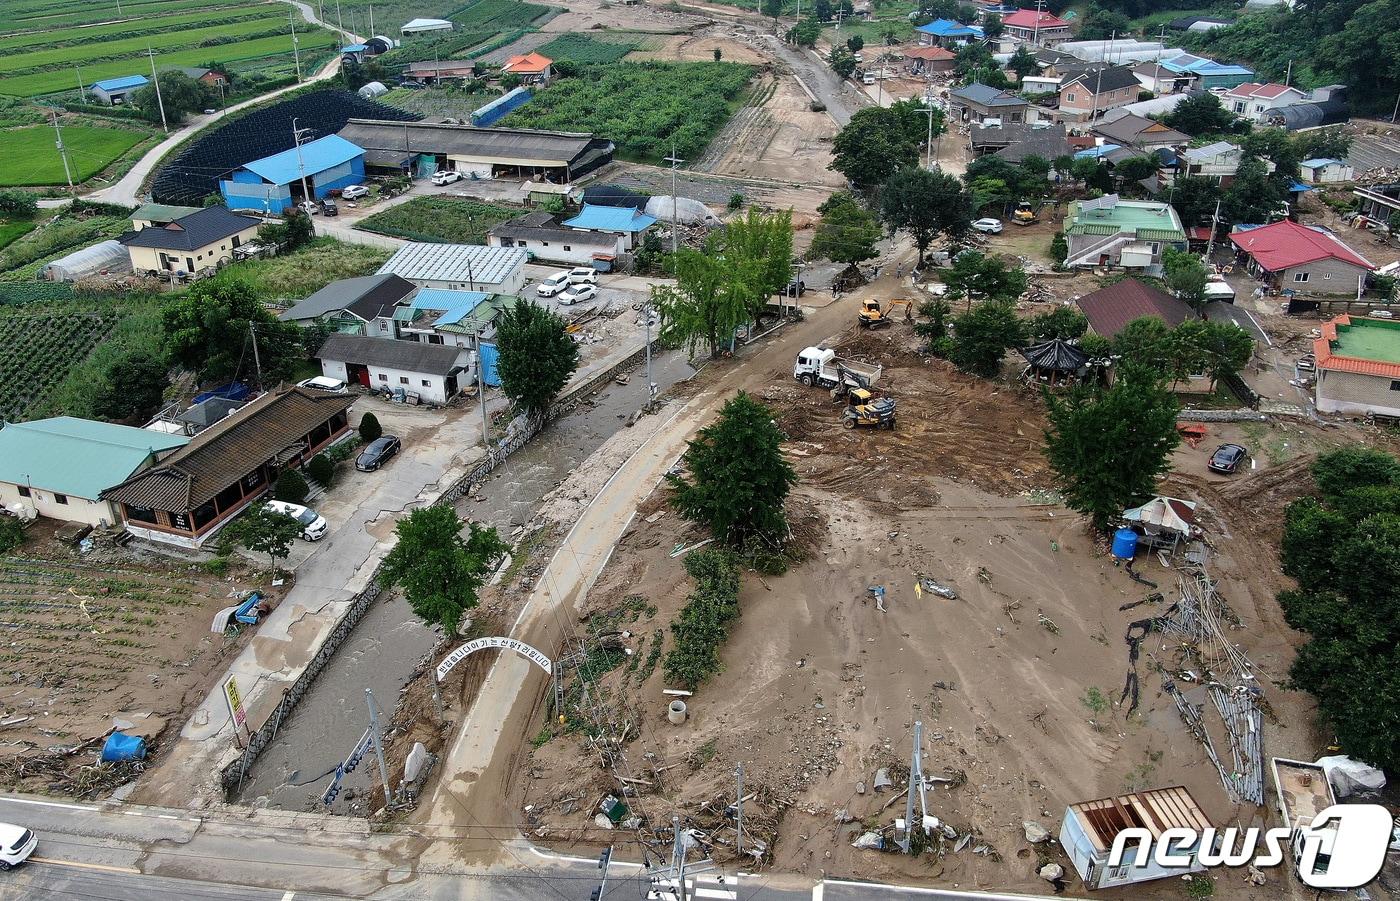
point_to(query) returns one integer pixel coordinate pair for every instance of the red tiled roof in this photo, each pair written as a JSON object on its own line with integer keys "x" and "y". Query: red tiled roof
{"x": 1286, "y": 244}
{"x": 1262, "y": 91}
{"x": 1322, "y": 349}
{"x": 934, "y": 54}
{"x": 1025, "y": 18}
{"x": 1110, "y": 309}
{"x": 1198, "y": 233}
{"x": 529, "y": 64}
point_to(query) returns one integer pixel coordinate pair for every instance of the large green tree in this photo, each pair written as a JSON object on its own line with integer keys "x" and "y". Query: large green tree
{"x": 983, "y": 335}
{"x": 1254, "y": 197}
{"x": 1186, "y": 275}
{"x": 1194, "y": 199}
{"x": 977, "y": 276}
{"x": 211, "y": 328}
{"x": 1109, "y": 446}
{"x": 440, "y": 570}
{"x": 925, "y": 204}
{"x": 536, "y": 355}
{"x": 1099, "y": 24}
{"x": 878, "y": 141}
{"x": 1200, "y": 114}
{"x": 737, "y": 476}
{"x": 262, "y": 531}
{"x": 1023, "y": 62}
{"x": 132, "y": 387}
{"x": 179, "y": 94}
{"x": 847, "y": 232}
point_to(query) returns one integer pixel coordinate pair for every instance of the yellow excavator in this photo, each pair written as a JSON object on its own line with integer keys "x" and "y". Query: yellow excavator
{"x": 865, "y": 410}
{"x": 872, "y": 316}
{"x": 1025, "y": 214}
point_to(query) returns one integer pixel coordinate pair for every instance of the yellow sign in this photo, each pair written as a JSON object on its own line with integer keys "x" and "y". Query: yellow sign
{"x": 235, "y": 701}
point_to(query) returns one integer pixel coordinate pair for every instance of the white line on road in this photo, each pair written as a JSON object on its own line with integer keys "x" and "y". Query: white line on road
{"x": 947, "y": 894}
{"x": 288, "y": 896}
{"x": 50, "y": 804}
{"x": 593, "y": 860}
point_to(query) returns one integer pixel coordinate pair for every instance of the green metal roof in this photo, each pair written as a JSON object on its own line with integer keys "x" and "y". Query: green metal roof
{"x": 162, "y": 212}
{"x": 1146, "y": 219}
{"x": 80, "y": 457}
{"x": 1369, "y": 339}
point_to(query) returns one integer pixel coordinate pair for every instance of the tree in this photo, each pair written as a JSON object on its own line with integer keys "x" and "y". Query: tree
{"x": 925, "y": 203}
{"x": 878, "y": 141}
{"x": 370, "y": 429}
{"x": 854, "y": 43}
{"x": 847, "y": 232}
{"x": 738, "y": 477}
{"x": 438, "y": 569}
{"x": 179, "y": 94}
{"x": 1352, "y": 467}
{"x": 1023, "y": 63}
{"x": 290, "y": 487}
{"x": 1194, "y": 198}
{"x": 132, "y": 388}
{"x": 773, "y": 9}
{"x": 1109, "y": 446}
{"x": 536, "y": 357}
{"x": 719, "y": 54}
{"x": 1200, "y": 114}
{"x": 992, "y": 26}
{"x": 18, "y": 204}
{"x": 1099, "y": 24}
{"x": 1186, "y": 275}
{"x": 821, "y": 10}
{"x": 975, "y": 275}
{"x": 262, "y": 531}
{"x": 11, "y": 533}
{"x": 1134, "y": 169}
{"x": 1253, "y": 197}
{"x": 321, "y": 470}
{"x": 805, "y": 33}
{"x": 1064, "y": 322}
{"x": 1226, "y": 349}
{"x": 933, "y": 325}
{"x": 209, "y": 331}
{"x": 294, "y": 231}
{"x": 1059, "y": 250}
{"x": 842, "y": 61}
{"x": 983, "y": 335}
{"x": 1145, "y": 342}
{"x": 1274, "y": 145}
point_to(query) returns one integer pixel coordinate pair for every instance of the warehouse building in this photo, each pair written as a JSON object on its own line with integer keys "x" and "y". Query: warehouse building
{"x": 113, "y": 91}
{"x": 279, "y": 182}
{"x": 430, "y": 372}
{"x": 460, "y": 267}
{"x": 485, "y": 152}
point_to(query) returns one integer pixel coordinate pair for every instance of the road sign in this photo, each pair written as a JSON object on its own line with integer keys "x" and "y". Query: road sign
{"x": 235, "y": 702}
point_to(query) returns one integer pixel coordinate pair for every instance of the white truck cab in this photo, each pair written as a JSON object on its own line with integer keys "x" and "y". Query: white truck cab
{"x": 821, "y": 366}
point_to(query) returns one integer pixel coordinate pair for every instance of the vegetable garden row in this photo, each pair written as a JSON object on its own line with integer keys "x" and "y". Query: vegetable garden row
{"x": 37, "y": 350}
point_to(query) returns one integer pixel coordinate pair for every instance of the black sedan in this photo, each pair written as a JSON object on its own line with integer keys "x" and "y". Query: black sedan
{"x": 377, "y": 453}
{"x": 1227, "y": 458}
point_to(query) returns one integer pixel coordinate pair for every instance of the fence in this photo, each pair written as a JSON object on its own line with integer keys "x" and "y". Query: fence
{"x": 233, "y": 774}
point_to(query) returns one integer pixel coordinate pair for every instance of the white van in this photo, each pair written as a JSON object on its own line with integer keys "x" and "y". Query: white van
{"x": 313, "y": 525}
{"x": 554, "y": 284}
{"x": 324, "y": 383}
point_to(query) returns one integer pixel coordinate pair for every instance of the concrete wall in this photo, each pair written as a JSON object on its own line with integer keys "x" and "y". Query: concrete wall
{"x": 1357, "y": 394}
{"x": 45, "y": 503}
{"x": 1329, "y": 276}
{"x": 145, "y": 259}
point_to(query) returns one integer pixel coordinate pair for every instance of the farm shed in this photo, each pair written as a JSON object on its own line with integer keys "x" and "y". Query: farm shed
{"x": 58, "y": 468}
{"x": 1090, "y": 827}
{"x": 105, "y": 256}
{"x": 113, "y": 91}
{"x": 558, "y": 156}
{"x": 544, "y": 238}
{"x": 187, "y": 496}
{"x": 496, "y": 110}
{"x": 372, "y": 90}
{"x": 278, "y": 182}
{"x": 192, "y": 243}
{"x": 423, "y": 26}
{"x": 458, "y": 267}
{"x": 429, "y": 370}
{"x": 430, "y": 71}
{"x": 1326, "y": 171}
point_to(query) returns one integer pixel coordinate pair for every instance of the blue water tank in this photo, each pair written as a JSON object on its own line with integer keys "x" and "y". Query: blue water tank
{"x": 1125, "y": 543}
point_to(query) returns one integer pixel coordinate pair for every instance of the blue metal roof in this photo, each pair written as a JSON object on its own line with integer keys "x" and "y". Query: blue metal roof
{"x": 947, "y": 28}
{"x": 122, "y": 83}
{"x": 1094, "y": 153}
{"x": 317, "y": 156}
{"x": 353, "y": 48}
{"x": 1222, "y": 69}
{"x": 611, "y": 219}
{"x": 1315, "y": 163}
{"x": 455, "y": 305}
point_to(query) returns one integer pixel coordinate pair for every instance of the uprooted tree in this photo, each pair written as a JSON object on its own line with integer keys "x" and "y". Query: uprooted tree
{"x": 439, "y": 570}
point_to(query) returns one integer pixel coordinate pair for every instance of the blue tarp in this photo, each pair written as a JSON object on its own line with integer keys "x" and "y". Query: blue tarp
{"x": 231, "y": 391}
{"x": 489, "y": 356}
{"x": 497, "y": 109}
{"x": 121, "y": 746}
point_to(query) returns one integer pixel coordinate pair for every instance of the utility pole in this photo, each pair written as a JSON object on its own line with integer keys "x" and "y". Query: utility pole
{"x": 378, "y": 744}
{"x": 1039, "y": 11}
{"x": 296, "y": 48}
{"x": 82, "y": 92}
{"x": 339, "y": 19}
{"x": 257, "y": 361}
{"x": 62, "y": 151}
{"x": 1157, "y": 71}
{"x": 928, "y": 108}
{"x": 678, "y": 859}
{"x": 674, "y": 161}
{"x": 739, "y": 809}
{"x": 301, "y": 164}
{"x": 651, "y": 383}
{"x": 1288, "y": 75}
{"x": 1214, "y": 224}
{"x": 603, "y": 860}
{"x": 1098, "y": 80}
{"x": 371, "y": 21}
{"x": 1395, "y": 111}
{"x": 481, "y": 392}
{"x": 155, "y": 80}
{"x": 916, "y": 779}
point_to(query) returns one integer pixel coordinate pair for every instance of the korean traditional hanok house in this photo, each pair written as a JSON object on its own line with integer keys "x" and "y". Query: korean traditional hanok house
{"x": 188, "y": 495}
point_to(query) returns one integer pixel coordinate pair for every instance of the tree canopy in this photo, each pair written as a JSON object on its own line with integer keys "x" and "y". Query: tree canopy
{"x": 210, "y": 331}
{"x": 1099, "y": 24}
{"x": 847, "y": 232}
{"x": 1200, "y": 114}
{"x": 536, "y": 355}
{"x": 877, "y": 141}
{"x": 925, "y": 204}
{"x": 179, "y": 94}
{"x": 132, "y": 388}
{"x": 1254, "y": 197}
{"x": 262, "y": 531}
{"x": 439, "y": 570}
{"x": 1186, "y": 275}
{"x": 983, "y": 335}
{"x": 738, "y": 478}
{"x": 975, "y": 275}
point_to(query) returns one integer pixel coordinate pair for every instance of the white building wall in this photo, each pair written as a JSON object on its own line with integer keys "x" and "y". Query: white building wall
{"x": 45, "y": 503}
{"x": 431, "y": 388}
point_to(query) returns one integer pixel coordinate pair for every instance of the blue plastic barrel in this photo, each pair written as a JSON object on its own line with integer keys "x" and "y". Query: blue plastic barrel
{"x": 1125, "y": 543}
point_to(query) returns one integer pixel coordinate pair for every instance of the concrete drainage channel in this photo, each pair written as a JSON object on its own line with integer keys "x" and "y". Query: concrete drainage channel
{"x": 383, "y": 644}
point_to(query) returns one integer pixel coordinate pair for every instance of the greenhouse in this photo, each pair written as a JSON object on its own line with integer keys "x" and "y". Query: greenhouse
{"x": 106, "y": 257}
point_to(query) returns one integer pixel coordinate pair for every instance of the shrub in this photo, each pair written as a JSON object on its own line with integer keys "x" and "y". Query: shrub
{"x": 322, "y": 470}
{"x": 11, "y": 534}
{"x": 370, "y": 428}
{"x": 18, "y": 204}
{"x": 703, "y": 623}
{"x": 290, "y": 487}
{"x": 217, "y": 567}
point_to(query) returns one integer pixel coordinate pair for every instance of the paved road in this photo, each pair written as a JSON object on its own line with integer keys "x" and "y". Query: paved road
{"x": 841, "y": 99}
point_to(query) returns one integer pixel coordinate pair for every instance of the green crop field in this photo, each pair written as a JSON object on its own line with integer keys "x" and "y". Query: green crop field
{"x": 80, "y": 13}
{"x": 12, "y": 231}
{"x": 30, "y": 157}
{"x": 582, "y": 48}
{"x": 37, "y": 349}
{"x": 126, "y": 49}
{"x": 502, "y": 15}
{"x": 91, "y": 34}
{"x": 440, "y": 219}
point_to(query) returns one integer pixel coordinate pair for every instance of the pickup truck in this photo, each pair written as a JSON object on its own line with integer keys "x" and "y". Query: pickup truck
{"x": 1303, "y": 793}
{"x": 821, "y": 366}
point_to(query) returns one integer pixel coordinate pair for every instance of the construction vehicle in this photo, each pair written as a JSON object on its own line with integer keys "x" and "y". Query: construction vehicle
{"x": 1025, "y": 214}
{"x": 865, "y": 409}
{"x": 872, "y": 316}
{"x": 821, "y": 366}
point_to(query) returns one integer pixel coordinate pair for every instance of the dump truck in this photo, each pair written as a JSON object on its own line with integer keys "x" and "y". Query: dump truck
{"x": 821, "y": 366}
{"x": 1303, "y": 793}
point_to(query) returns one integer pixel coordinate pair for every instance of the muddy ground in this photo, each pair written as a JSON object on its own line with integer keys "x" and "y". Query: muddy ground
{"x": 1018, "y": 681}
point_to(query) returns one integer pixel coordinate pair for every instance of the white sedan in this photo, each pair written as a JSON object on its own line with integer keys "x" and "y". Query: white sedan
{"x": 16, "y": 844}
{"x": 987, "y": 226}
{"x": 355, "y": 191}
{"x": 577, "y": 293}
{"x": 446, "y": 177}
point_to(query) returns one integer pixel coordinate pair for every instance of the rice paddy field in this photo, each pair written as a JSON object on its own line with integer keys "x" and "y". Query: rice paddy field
{"x": 31, "y": 158}
{"x": 49, "y": 46}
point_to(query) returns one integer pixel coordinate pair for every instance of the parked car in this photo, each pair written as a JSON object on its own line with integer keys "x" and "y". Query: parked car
{"x": 309, "y": 207}
{"x": 868, "y": 78}
{"x": 355, "y": 191}
{"x": 795, "y": 288}
{"x": 377, "y": 453}
{"x": 16, "y": 844}
{"x": 583, "y": 275}
{"x": 329, "y": 208}
{"x": 324, "y": 383}
{"x": 578, "y": 293}
{"x": 446, "y": 177}
{"x": 1227, "y": 458}
{"x": 554, "y": 284}
{"x": 313, "y": 525}
{"x": 987, "y": 226}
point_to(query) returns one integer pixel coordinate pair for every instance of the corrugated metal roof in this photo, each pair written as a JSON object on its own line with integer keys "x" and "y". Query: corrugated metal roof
{"x": 611, "y": 219}
{"x": 80, "y": 457}
{"x": 123, "y": 82}
{"x": 1285, "y": 244}
{"x": 1110, "y": 309}
{"x": 551, "y": 148}
{"x": 316, "y": 156}
{"x": 199, "y": 229}
{"x": 392, "y": 353}
{"x": 465, "y": 263}
{"x": 947, "y": 28}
